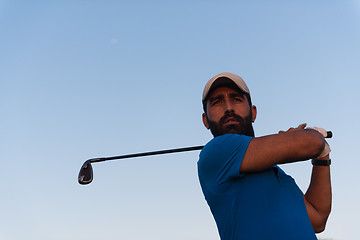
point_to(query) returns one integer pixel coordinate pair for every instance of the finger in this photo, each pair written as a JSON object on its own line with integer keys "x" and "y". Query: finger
{"x": 280, "y": 132}
{"x": 302, "y": 126}
{"x": 320, "y": 130}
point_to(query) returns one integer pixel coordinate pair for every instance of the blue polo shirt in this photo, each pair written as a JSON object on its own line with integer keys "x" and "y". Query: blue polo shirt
{"x": 256, "y": 206}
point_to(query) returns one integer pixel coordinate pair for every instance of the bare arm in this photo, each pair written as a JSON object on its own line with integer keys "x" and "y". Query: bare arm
{"x": 295, "y": 145}
{"x": 318, "y": 196}
{"x": 291, "y": 146}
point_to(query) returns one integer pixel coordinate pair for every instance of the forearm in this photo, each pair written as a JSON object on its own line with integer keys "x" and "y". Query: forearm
{"x": 318, "y": 197}
{"x": 296, "y": 145}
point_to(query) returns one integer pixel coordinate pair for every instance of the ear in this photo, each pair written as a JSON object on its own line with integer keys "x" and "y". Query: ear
{"x": 254, "y": 112}
{"x": 205, "y": 121}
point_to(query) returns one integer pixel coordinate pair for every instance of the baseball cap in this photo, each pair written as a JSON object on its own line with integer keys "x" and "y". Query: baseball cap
{"x": 222, "y": 79}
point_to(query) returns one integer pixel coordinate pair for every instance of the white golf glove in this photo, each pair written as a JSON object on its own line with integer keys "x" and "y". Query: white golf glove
{"x": 323, "y": 132}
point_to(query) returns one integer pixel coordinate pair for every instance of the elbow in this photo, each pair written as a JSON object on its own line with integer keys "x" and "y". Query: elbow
{"x": 320, "y": 227}
{"x": 319, "y": 230}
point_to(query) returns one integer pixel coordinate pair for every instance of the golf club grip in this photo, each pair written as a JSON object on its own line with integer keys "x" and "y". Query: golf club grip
{"x": 329, "y": 134}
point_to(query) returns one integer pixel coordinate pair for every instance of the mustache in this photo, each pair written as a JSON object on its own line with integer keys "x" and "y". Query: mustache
{"x": 231, "y": 115}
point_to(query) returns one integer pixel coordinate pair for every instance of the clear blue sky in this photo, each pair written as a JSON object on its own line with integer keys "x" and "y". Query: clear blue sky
{"x": 84, "y": 79}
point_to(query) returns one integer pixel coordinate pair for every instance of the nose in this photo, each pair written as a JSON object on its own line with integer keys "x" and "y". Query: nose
{"x": 228, "y": 106}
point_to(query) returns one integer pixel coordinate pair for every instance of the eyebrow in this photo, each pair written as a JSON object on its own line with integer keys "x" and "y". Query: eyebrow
{"x": 222, "y": 96}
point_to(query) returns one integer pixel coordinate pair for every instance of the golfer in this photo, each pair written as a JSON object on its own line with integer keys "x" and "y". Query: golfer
{"x": 249, "y": 196}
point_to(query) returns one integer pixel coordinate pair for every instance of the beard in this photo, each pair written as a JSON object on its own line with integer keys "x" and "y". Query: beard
{"x": 244, "y": 125}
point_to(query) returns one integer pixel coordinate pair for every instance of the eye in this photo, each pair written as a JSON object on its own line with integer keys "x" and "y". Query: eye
{"x": 216, "y": 102}
{"x": 238, "y": 99}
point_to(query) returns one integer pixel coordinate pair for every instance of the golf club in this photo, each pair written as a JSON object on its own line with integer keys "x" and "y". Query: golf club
{"x": 86, "y": 174}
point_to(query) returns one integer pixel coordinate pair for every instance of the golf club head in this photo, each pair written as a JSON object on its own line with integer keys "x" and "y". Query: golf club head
{"x": 86, "y": 173}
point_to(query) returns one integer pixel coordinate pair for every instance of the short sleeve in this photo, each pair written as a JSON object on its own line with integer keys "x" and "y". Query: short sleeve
{"x": 221, "y": 158}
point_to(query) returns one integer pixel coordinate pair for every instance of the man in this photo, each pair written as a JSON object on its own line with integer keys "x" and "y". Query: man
{"x": 249, "y": 196}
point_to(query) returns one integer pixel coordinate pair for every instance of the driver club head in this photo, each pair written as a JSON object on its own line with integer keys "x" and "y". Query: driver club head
{"x": 86, "y": 173}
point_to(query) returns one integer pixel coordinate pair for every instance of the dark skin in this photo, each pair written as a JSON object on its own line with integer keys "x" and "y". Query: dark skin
{"x": 295, "y": 144}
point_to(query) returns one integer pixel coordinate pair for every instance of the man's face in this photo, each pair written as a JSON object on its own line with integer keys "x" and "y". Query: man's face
{"x": 228, "y": 111}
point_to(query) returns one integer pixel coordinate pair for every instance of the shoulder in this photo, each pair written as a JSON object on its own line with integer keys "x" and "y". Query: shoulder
{"x": 225, "y": 147}
{"x": 227, "y": 141}
{"x": 221, "y": 158}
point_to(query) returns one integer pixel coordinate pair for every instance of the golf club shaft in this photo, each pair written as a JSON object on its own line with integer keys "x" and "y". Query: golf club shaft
{"x": 176, "y": 150}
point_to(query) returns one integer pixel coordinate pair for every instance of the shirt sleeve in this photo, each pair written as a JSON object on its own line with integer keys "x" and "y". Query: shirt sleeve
{"x": 221, "y": 158}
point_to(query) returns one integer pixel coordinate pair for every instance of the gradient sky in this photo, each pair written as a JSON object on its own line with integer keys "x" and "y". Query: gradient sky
{"x": 85, "y": 79}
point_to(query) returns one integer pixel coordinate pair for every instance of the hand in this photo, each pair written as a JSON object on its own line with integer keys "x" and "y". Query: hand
{"x": 325, "y": 153}
{"x": 320, "y": 130}
{"x": 301, "y": 126}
